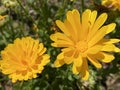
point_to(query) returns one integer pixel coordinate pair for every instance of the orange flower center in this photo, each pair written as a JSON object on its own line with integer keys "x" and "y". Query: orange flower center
{"x": 81, "y": 46}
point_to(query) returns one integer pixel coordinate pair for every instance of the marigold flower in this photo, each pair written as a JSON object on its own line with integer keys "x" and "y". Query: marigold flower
{"x": 111, "y": 4}
{"x": 82, "y": 40}
{"x": 23, "y": 59}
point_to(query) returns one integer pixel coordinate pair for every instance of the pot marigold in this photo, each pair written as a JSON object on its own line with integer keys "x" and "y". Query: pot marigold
{"x": 23, "y": 59}
{"x": 83, "y": 40}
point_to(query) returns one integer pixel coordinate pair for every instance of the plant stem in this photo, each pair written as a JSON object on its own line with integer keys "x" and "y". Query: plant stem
{"x": 82, "y": 3}
{"x": 28, "y": 16}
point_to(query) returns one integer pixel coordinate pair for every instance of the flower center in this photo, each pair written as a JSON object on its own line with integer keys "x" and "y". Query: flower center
{"x": 81, "y": 46}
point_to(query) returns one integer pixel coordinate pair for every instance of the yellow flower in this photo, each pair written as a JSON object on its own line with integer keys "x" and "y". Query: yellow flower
{"x": 2, "y": 17}
{"x": 111, "y": 3}
{"x": 82, "y": 40}
{"x": 23, "y": 59}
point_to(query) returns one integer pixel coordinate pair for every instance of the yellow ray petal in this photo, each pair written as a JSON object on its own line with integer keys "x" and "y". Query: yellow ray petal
{"x": 94, "y": 61}
{"x": 110, "y": 48}
{"x": 84, "y": 70}
{"x": 77, "y": 22}
{"x": 59, "y": 62}
{"x": 61, "y": 44}
{"x": 85, "y": 24}
{"x": 68, "y": 56}
{"x": 61, "y": 40}
{"x": 74, "y": 18}
{"x": 72, "y": 30}
{"x": 86, "y": 76}
{"x": 111, "y": 27}
{"x": 60, "y": 56}
{"x": 98, "y": 23}
{"x": 98, "y": 36}
{"x": 68, "y": 60}
{"x": 69, "y": 53}
{"x": 45, "y": 59}
{"x": 60, "y": 36}
{"x": 109, "y": 41}
{"x": 78, "y": 61}
{"x": 93, "y": 50}
{"x": 104, "y": 57}
{"x": 62, "y": 27}
{"x": 74, "y": 69}
{"x": 92, "y": 18}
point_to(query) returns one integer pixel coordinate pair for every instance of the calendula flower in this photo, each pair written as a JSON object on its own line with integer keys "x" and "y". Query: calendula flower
{"x": 83, "y": 40}
{"x": 111, "y": 3}
{"x": 23, "y": 59}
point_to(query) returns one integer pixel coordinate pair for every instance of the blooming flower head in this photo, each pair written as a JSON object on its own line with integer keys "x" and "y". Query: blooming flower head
{"x": 83, "y": 40}
{"x": 23, "y": 59}
{"x": 112, "y": 4}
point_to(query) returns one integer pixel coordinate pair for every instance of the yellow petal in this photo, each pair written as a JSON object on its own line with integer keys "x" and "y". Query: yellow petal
{"x": 68, "y": 55}
{"x": 68, "y": 60}
{"x": 62, "y": 27}
{"x": 94, "y": 61}
{"x": 93, "y": 50}
{"x": 98, "y": 36}
{"x": 53, "y": 37}
{"x": 59, "y": 62}
{"x": 98, "y": 23}
{"x": 72, "y": 31}
{"x": 70, "y": 17}
{"x": 84, "y": 70}
{"x": 86, "y": 76}
{"x": 78, "y": 61}
{"x": 77, "y": 22}
{"x": 60, "y": 56}
{"x": 111, "y": 27}
{"x": 45, "y": 59}
{"x": 61, "y": 40}
{"x": 93, "y": 18}
{"x": 74, "y": 18}
{"x": 71, "y": 24}
{"x": 105, "y": 57}
{"x": 60, "y": 36}
{"x": 85, "y": 24}
{"x": 74, "y": 69}
{"x": 110, "y": 48}
{"x": 109, "y": 41}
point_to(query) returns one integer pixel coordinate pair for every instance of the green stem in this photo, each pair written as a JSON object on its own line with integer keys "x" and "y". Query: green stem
{"x": 26, "y": 11}
{"x": 82, "y": 3}
{"x": 28, "y": 15}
